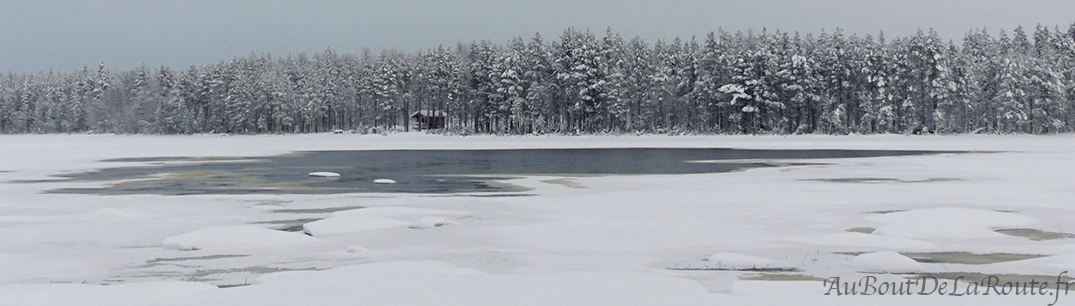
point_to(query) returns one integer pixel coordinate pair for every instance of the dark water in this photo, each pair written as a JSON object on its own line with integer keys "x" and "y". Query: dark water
{"x": 426, "y": 171}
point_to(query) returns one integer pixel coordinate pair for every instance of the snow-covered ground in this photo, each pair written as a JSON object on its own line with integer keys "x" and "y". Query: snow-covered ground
{"x": 765, "y": 236}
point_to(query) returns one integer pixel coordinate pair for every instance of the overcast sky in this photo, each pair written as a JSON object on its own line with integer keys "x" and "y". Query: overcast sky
{"x": 64, "y": 35}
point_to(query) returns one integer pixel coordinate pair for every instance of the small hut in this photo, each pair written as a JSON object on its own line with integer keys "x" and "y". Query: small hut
{"x": 428, "y": 119}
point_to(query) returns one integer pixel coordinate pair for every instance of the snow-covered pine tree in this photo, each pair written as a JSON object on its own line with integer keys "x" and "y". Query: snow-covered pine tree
{"x": 639, "y": 68}
{"x": 581, "y": 80}
{"x": 540, "y": 85}
{"x": 782, "y": 84}
{"x": 483, "y": 63}
{"x": 938, "y": 82}
{"x": 98, "y": 112}
{"x": 389, "y": 88}
{"x": 508, "y": 95}
{"x": 750, "y": 86}
{"x": 1012, "y": 107}
{"x": 239, "y": 100}
{"x": 614, "y": 58}
{"x": 710, "y": 76}
{"x": 143, "y": 104}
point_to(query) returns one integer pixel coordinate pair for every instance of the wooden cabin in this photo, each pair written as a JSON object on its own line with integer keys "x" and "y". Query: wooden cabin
{"x": 428, "y": 119}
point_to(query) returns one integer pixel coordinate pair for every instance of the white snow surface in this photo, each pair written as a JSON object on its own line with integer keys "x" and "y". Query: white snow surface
{"x": 886, "y": 262}
{"x": 374, "y": 218}
{"x": 396, "y": 212}
{"x": 384, "y": 181}
{"x": 144, "y": 293}
{"x": 608, "y": 244}
{"x": 438, "y": 283}
{"x": 232, "y": 237}
{"x": 871, "y": 241}
{"x": 949, "y": 223}
{"x": 350, "y": 224}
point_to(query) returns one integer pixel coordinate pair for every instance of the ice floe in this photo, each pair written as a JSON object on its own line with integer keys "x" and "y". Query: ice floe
{"x": 234, "y": 237}
{"x": 324, "y": 174}
{"x": 350, "y": 223}
{"x": 886, "y": 262}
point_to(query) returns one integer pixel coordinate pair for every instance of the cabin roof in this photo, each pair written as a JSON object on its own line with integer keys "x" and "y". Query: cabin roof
{"x": 427, "y": 113}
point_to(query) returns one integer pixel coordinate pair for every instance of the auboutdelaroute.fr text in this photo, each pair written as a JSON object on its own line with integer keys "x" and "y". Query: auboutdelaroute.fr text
{"x": 959, "y": 286}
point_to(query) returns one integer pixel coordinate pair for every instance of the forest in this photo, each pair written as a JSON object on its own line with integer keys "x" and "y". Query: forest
{"x": 754, "y": 82}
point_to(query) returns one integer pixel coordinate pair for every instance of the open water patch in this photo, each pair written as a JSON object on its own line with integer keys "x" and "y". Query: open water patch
{"x": 323, "y": 210}
{"x": 737, "y": 269}
{"x": 966, "y": 258}
{"x": 999, "y": 280}
{"x": 1034, "y": 234}
{"x": 863, "y": 230}
{"x": 780, "y": 277}
{"x": 293, "y": 225}
{"x": 882, "y": 180}
{"x": 566, "y": 182}
{"x": 424, "y": 171}
{"x": 158, "y": 261}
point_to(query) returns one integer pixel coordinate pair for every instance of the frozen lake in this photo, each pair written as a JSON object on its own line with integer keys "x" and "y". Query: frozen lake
{"x": 86, "y": 219}
{"x": 428, "y": 171}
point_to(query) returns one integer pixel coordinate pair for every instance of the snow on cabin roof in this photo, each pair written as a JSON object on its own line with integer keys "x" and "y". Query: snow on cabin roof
{"x": 428, "y": 113}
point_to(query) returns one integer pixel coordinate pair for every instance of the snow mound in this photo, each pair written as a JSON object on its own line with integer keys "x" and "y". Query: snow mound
{"x": 90, "y": 295}
{"x": 395, "y": 211}
{"x": 431, "y": 222}
{"x": 948, "y": 223}
{"x": 886, "y": 262}
{"x": 933, "y": 230}
{"x": 357, "y": 249}
{"x": 376, "y": 218}
{"x": 970, "y": 217}
{"x": 230, "y": 237}
{"x": 350, "y": 223}
{"x": 324, "y": 174}
{"x": 739, "y": 261}
{"x": 860, "y": 240}
{"x": 384, "y": 181}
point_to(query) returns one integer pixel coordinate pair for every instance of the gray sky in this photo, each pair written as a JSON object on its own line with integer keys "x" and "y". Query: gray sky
{"x": 64, "y": 35}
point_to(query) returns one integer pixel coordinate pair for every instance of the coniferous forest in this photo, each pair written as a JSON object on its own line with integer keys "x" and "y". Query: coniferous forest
{"x": 725, "y": 83}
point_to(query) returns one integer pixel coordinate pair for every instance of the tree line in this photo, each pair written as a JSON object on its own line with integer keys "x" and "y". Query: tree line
{"x": 726, "y": 83}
